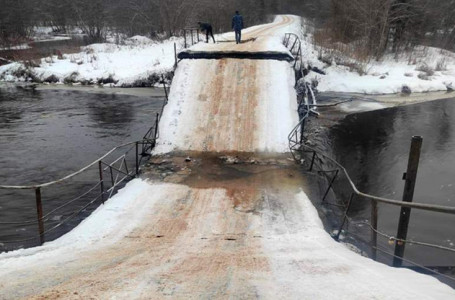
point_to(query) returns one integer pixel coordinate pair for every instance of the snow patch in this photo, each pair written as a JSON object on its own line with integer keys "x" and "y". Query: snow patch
{"x": 386, "y": 76}
{"x": 123, "y": 64}
{"x": 306, "y": 262}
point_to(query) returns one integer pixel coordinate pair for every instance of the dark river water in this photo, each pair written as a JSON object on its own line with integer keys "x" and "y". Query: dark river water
{"x": 48, "y": 134}
{"x": 374, "y": 147}
{"x": 41, "y": 49}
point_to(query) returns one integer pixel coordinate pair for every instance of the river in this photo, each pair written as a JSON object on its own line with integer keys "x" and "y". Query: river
{"x": 48, "y": 133}
{"x": 374, "y": 148}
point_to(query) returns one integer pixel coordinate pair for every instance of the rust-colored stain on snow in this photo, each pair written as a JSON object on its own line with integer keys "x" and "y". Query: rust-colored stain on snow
{"x": 203, "y": 238}
{"x": 227, "y": 115}
{"x": 232, "y": 100}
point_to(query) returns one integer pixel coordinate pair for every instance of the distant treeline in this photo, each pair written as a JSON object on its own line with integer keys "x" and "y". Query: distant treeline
{"x": 131, "y": 17}
{"x": 381, "y": 26}
{"x": 373, "y": 27}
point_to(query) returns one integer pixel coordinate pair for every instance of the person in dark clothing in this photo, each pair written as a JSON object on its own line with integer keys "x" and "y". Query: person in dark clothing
{"x": 237, "y": 26}
{"x": 208, "y": 30}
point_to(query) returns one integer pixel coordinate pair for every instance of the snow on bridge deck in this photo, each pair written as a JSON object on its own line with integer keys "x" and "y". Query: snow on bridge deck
{"x": 229, "y": 105}
{"x": 243, "y": 105}
{"x": 212, "y": 229}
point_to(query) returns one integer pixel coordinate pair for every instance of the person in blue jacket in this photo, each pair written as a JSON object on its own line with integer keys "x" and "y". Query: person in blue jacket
{"x": 237, "y": 26}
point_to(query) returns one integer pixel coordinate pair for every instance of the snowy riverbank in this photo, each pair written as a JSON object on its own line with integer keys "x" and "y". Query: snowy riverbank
{"x": 212, "y": 230}
{"x": 425, "y": 69}
{"x": 139, "y": 62}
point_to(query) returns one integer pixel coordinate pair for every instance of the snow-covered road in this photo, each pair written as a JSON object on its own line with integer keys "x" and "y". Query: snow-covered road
{"x": 212, "y": 229}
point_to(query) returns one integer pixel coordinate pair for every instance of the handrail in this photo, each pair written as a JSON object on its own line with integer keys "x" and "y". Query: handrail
{"x": 28, "y": 187}
{"x": 298, "y": 54}
{"x": 298, "y": 148}
{"x": 296, "y": 145}
{"x": 118, "y": 169}
{"x": 194, "y": 37}
{"x": 146, "y": 137}
{"x": 423, "y": 206}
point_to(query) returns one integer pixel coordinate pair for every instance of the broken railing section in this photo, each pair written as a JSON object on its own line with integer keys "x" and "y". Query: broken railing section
{"x": 99, "y": 180}
{"x": 335, "y": 174}
{"x": 307, "y": 103}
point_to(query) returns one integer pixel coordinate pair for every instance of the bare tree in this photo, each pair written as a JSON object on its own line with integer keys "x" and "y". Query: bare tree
{"x": 92, "y": 17}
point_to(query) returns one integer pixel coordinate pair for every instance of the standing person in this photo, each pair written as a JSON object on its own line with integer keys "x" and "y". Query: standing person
{"x": 208, "y": 30}
{"x": 237, "y": 25}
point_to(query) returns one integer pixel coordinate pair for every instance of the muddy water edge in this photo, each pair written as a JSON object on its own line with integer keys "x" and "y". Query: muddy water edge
{"x": 373, "y": 146}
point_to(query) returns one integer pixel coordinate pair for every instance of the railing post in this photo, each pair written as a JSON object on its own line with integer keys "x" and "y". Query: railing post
{"x": 156, "y": 125}
{"x": 405, "y": 214}
{"x": 374, "y": 225}
{"x": 165, "y": 90}
{"x": 100, "y": 168}
{"x": 137, "y": 158}
{"x": 39, "y": 210}
{"x": 337, "y": 237}
{"x": 192, "y": 39}
{"x": 184, "y": 37}
{"x": 175, "y": 55}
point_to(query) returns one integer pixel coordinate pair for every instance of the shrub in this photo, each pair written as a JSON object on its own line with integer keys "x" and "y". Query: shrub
{"x": 52, "y": 79}
{"x": 109, "y": 79}
{"x": 406, "y": 90}
{"x": 423, "y": 76}
{"x": 71, "y": 78}
{"x": 441, "y": 64}
{"x": 425, "y": 69}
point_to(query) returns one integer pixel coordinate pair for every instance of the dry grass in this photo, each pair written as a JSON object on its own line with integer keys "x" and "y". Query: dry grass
{"x": 441, "y": 64}
{"x": 425, "y": 69}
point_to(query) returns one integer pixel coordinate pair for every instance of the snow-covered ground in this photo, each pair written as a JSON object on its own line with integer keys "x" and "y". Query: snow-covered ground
{"x": 206, "y": 242}
{"x": 426, "y": 69}
{"x": 239, "y": 236}
{"x": 119, "y": 65}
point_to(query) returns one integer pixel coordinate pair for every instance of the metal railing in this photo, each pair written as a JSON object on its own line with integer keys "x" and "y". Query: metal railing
{"x": 335, "y": 173}
{"x": 293, "y": 43}
{"x": 191, "y": 36}
{"x": 331, "y": 171}
{"x": 99, "y": 181}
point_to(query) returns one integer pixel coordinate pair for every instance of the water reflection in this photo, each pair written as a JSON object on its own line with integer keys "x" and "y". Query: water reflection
{"x": 107, "y": 111}
{"x": 374, "y": 148}
{"x": 45, "y": 135}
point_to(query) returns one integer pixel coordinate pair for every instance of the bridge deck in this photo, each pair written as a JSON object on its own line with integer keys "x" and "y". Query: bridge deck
{"x": 232, "y": 227}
